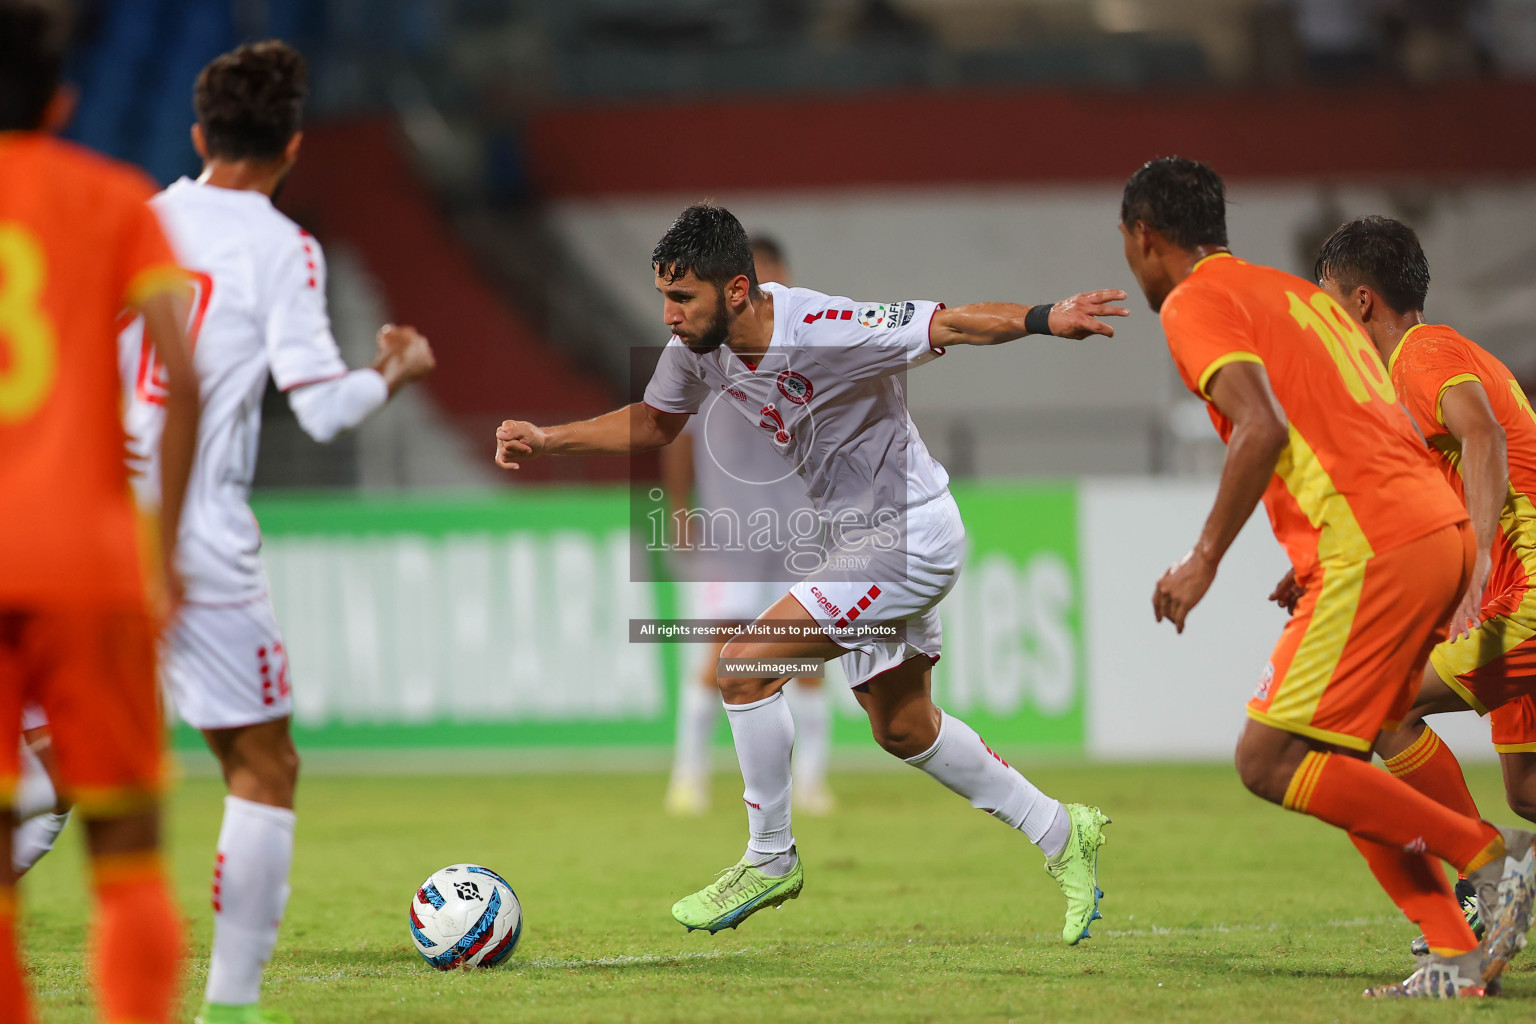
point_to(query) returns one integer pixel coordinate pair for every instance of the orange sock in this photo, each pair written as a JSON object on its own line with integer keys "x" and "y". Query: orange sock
{"x": 13, "y": 990}
{"x": 1377, "y": 806}
{"x": 1430, "y": 767}
{"x": 1417, "y": 884}
{"x": 138, "y": 940}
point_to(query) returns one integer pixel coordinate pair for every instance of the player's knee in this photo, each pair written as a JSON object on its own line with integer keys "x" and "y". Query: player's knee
{"x": 745, "y": 689}
{"x": 278, "y": 772}
{"x": 290, "y": 765}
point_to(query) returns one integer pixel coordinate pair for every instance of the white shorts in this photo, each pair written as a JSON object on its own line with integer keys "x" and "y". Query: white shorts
{"x": 225, "y": 665}
{"x": 733, "y": 600}
{"x": 864, "y": 585}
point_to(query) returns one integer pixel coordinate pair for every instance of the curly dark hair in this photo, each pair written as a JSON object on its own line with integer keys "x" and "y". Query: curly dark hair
{"x": 32, "y": 37}
{"x": 1183, "y": 200}
{"x": 1382, "y": 253}
{"x": 708, "y": 240}
{"x": 250, "y": 101}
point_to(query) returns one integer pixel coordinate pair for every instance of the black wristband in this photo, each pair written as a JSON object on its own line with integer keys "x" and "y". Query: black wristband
{"x": 1038, "y": 319}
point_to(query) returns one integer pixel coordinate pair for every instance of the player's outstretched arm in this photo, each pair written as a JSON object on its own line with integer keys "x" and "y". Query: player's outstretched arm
{"x": 404, "y": 356}
{"x": 325, "y": 408}
{"x": 163, "y": 316}
{"x": 1260, "y": 432}
{"x": 634, "y": 428}
{"x": 992, "y": 323}
{"x": 1485, "y": 475}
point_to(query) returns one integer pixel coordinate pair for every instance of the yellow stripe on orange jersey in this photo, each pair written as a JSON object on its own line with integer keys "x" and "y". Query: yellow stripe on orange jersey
{"x": 1429, "y": 361}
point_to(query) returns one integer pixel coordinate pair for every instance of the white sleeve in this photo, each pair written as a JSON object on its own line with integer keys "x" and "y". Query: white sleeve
{"x": 326, "y": 408}
{"x": 300, "y": 348}
{"x": 677, "y": 385}
{"x": 870, "y": 339}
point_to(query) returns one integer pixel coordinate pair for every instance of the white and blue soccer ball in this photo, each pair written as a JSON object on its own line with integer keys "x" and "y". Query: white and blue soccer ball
{"x": 465, "y": 916}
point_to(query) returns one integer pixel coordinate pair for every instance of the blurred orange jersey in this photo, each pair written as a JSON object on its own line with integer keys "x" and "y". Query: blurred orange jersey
{"x": 77, "y": 244}
{"x": 1429, "y": 361}
{"x": 1354, "y": 479}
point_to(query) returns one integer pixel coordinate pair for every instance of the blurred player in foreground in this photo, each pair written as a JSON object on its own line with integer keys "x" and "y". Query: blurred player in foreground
{"x": 1381, "y": 547}
{"x": 1479, "y": 423}
{"x": 821, "y": 377}
{"x": 80, "y": 577}
{"x": 41, "y": 811}
{"x": 729, "y": 469}
{"x": 260, "y": 311}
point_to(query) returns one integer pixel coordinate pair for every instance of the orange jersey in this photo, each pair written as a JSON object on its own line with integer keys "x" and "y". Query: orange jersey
{"x": 77, "y": 245}
{"x": 1430, "y": 360}
{"x": 1354, "y": 479}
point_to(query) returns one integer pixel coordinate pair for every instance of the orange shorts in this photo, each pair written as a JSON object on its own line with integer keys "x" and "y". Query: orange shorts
{"x": 1493, "y": 668}
{"x": 93, "y": 674}
{"x": 1514, "y": 726}
{"x": 1350, "y": 660}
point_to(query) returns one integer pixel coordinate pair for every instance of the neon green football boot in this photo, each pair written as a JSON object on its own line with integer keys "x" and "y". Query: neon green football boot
{"x": 251, "y": 1013}
{"x": 1076, "y": 870}
{"x": 735, "y": 895}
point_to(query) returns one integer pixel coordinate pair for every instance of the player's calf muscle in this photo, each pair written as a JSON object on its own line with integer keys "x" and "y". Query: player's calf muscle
{"x": 260, "y": 763}
{"x": 908, "y": 732}
{"x": 1520, "y": 783}
{"x": 1267, "y": 759}
{"x": 1392, "y": 742}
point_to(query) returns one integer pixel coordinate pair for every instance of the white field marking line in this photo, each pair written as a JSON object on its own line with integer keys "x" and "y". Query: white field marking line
{"x": 544, "y": 963}
{"x": 555, "y": 963}
{"x": 778, "y": 948}
{"x": 1272, "y": 926}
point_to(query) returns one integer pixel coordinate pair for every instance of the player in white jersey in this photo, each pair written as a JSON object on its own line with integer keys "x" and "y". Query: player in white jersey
{"x": 720, "y": 463}
{"x": 260, "y": 311}
{"x": 821, "y": 378}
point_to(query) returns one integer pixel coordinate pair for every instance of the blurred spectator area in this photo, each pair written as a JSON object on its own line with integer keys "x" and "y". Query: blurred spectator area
{"x": 355, "y": 188}
{"x": 496, "y": 172}
{"x": 938, "y": 195}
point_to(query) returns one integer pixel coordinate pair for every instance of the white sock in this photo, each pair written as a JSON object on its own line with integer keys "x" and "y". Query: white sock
{"x": 35, "y": 837}
{"x": 34, "y": 790}
{"x": 698, "y": 708}
{"x": 963, "y": 763}
{"x": 765, "y": 737}
{"x": 250, "y": 890}
{"x": 813, "y": 733}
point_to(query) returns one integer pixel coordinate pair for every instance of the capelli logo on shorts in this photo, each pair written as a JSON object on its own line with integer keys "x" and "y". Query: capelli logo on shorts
{"x": 826, "y": 606}
{"x": 1265, "y": 681}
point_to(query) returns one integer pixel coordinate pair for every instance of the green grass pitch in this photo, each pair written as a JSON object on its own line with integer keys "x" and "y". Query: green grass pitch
{"x": 916, "y": 908}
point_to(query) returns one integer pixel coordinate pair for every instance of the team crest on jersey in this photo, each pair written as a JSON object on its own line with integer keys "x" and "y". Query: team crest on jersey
{"x": 796, "y": 387}
{"x": 887, "y": 315}
{"x": 1265, "y": 681}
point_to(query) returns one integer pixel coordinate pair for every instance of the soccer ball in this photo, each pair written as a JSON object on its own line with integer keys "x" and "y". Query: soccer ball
{"x": 465, "y": 916}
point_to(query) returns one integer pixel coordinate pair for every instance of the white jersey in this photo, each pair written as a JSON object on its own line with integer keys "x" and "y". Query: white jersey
{"x": 743, "y": 487}
{"x": 827, "y": 396}
{"x": 259, "y": 309}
